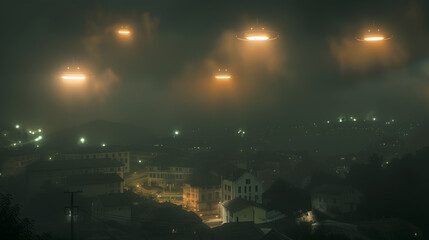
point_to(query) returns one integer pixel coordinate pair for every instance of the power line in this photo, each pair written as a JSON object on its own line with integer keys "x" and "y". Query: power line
{"x": 72, "y": 207}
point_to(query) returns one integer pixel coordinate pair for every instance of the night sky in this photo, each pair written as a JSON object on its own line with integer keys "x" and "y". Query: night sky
{"x": 163, "y": 76}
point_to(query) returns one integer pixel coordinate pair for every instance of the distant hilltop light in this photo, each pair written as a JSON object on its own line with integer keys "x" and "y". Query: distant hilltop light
{"x": 17, "y": 126}
{"x": 82, "y": 140}
{"x": 103, "y": 145}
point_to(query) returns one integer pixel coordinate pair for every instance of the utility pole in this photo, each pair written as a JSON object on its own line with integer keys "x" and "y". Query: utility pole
{"x": 72, "y": 207}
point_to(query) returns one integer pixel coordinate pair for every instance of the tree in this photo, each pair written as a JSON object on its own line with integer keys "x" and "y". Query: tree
{"x": 11, "y": 225}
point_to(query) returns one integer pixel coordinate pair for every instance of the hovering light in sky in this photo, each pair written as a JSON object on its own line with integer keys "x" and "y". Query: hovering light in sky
{"x": 257, "y": 33}
{"x": 374, "y": 35}
{"x": 74, "y": 75}
{"x": 124, "y": 32}
{"x": 223, "y": 77}
{"x": 257, "y": 38}
{"x": 82, "y": 140}
{"x": 223, "y": 74}
{"x": 374, "y": 38}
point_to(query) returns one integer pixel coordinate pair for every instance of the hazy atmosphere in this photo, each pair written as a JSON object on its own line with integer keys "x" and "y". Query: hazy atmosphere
{"x": 161, "y": 77}
{"x": 214, "y": 120}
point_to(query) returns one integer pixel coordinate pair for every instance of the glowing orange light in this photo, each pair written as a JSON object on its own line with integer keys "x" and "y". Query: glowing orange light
{"x": 379, "y": 38}
{"x": 126, "y": 32}
{"x": 257, "y": 38}
{"x": 223, "y": 77}
{"x": 73, "y": 77}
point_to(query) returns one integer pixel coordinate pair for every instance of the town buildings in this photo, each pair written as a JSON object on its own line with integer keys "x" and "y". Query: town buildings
{"x": 335, "y": 200}
{"x": 169, "y": 178}
{"x": 241, "y": 184}
{"x": 241, "y": 210}
{"x": 56, "y": 172}
{"x": 122, "y": 157}
{"x": 95, "y": 184}
{"x": 204, "y": 200}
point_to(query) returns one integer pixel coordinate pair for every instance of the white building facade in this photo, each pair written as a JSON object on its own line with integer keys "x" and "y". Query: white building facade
{"x": 245, "y": 186}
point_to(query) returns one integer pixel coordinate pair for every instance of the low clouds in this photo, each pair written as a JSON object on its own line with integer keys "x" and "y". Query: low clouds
{"x": 255, "y": 68}
{"x": 355, "y": 56}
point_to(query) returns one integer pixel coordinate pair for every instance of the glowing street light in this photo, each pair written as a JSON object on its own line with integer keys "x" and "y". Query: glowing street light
{"x": 82, "y": 140}
{"x": 374, "y": 35}
{"x": 17, "y": 126}
{"x": 176, "y": 133}
{"x": 103, "y": 145}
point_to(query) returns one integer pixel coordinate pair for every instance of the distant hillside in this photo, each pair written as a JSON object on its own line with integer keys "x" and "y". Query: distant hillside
{"x": 98, "y": 132}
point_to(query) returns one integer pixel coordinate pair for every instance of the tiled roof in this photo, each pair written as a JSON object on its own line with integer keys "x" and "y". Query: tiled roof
{"x": 238, "y": 204}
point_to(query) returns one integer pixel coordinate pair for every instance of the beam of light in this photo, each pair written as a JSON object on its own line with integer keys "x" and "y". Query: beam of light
{"x": 124, "y": 32}
{"x": 70, "y": 77}
{"x": 257, "y": 38}
{"x": 223, "y": 77}
{"x": 380, "y": 38}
